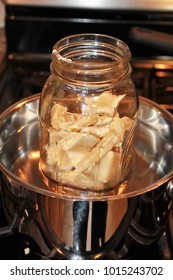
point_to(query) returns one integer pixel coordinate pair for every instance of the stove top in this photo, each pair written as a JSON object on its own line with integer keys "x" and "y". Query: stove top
{"x": 25, "y": 75}
{"x": 22, "y": 78}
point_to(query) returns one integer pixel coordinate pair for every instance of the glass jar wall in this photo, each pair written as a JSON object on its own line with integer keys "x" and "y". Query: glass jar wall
{"x": 88, "y": 113}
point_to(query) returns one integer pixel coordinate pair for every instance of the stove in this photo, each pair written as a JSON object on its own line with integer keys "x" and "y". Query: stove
{"x": 31, "y": 29}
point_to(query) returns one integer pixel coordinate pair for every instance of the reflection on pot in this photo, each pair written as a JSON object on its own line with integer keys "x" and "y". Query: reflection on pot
{"x": 86, "y": 230}
{"x": 68, "y": 223}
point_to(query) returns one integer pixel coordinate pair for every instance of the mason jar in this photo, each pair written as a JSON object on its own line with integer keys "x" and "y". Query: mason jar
{"x": 88, "y": 113}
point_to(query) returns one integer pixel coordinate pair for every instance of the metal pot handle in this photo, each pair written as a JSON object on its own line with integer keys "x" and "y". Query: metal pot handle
{"x": 170, "y": 188}
{"x": 8, "y": 230}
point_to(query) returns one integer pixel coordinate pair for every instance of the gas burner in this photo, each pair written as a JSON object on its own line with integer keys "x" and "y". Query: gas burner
{"x": 22, "y": 78}
{"x": 155, "y": 83}
{"x": 18, "y": 246}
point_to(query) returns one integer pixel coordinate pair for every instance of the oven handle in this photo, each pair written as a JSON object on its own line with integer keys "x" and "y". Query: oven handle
{"x": 153, "y": 38}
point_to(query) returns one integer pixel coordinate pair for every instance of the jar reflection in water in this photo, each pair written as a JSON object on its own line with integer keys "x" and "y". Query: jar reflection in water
{"x": 88, "y": 113}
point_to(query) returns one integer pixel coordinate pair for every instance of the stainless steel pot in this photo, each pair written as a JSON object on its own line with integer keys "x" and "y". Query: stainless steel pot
{"x": 73, "y": 224}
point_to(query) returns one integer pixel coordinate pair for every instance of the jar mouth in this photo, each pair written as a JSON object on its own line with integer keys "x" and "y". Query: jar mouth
{"x": 89, "y": 53}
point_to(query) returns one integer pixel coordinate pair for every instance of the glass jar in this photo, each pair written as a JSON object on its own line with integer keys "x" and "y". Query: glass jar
{"x": 88, "y": 113}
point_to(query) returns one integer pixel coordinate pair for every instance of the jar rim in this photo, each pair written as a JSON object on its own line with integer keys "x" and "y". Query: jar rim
{"x": 81, "y": 57}
{"x": 115, "y": 49}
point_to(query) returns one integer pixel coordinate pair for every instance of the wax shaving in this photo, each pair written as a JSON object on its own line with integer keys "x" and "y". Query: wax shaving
{"x": 85, "y": 150}
{"x": 61, "y": 58}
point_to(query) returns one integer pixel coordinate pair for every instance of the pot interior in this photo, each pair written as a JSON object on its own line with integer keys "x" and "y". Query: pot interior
{"x": 153, "y": 159}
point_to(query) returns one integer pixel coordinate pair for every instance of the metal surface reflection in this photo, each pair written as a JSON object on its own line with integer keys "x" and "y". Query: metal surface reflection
{"x": 80, "y": 224}
{"x": 100, "y": 4}
{"x": 152, "y": 166}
